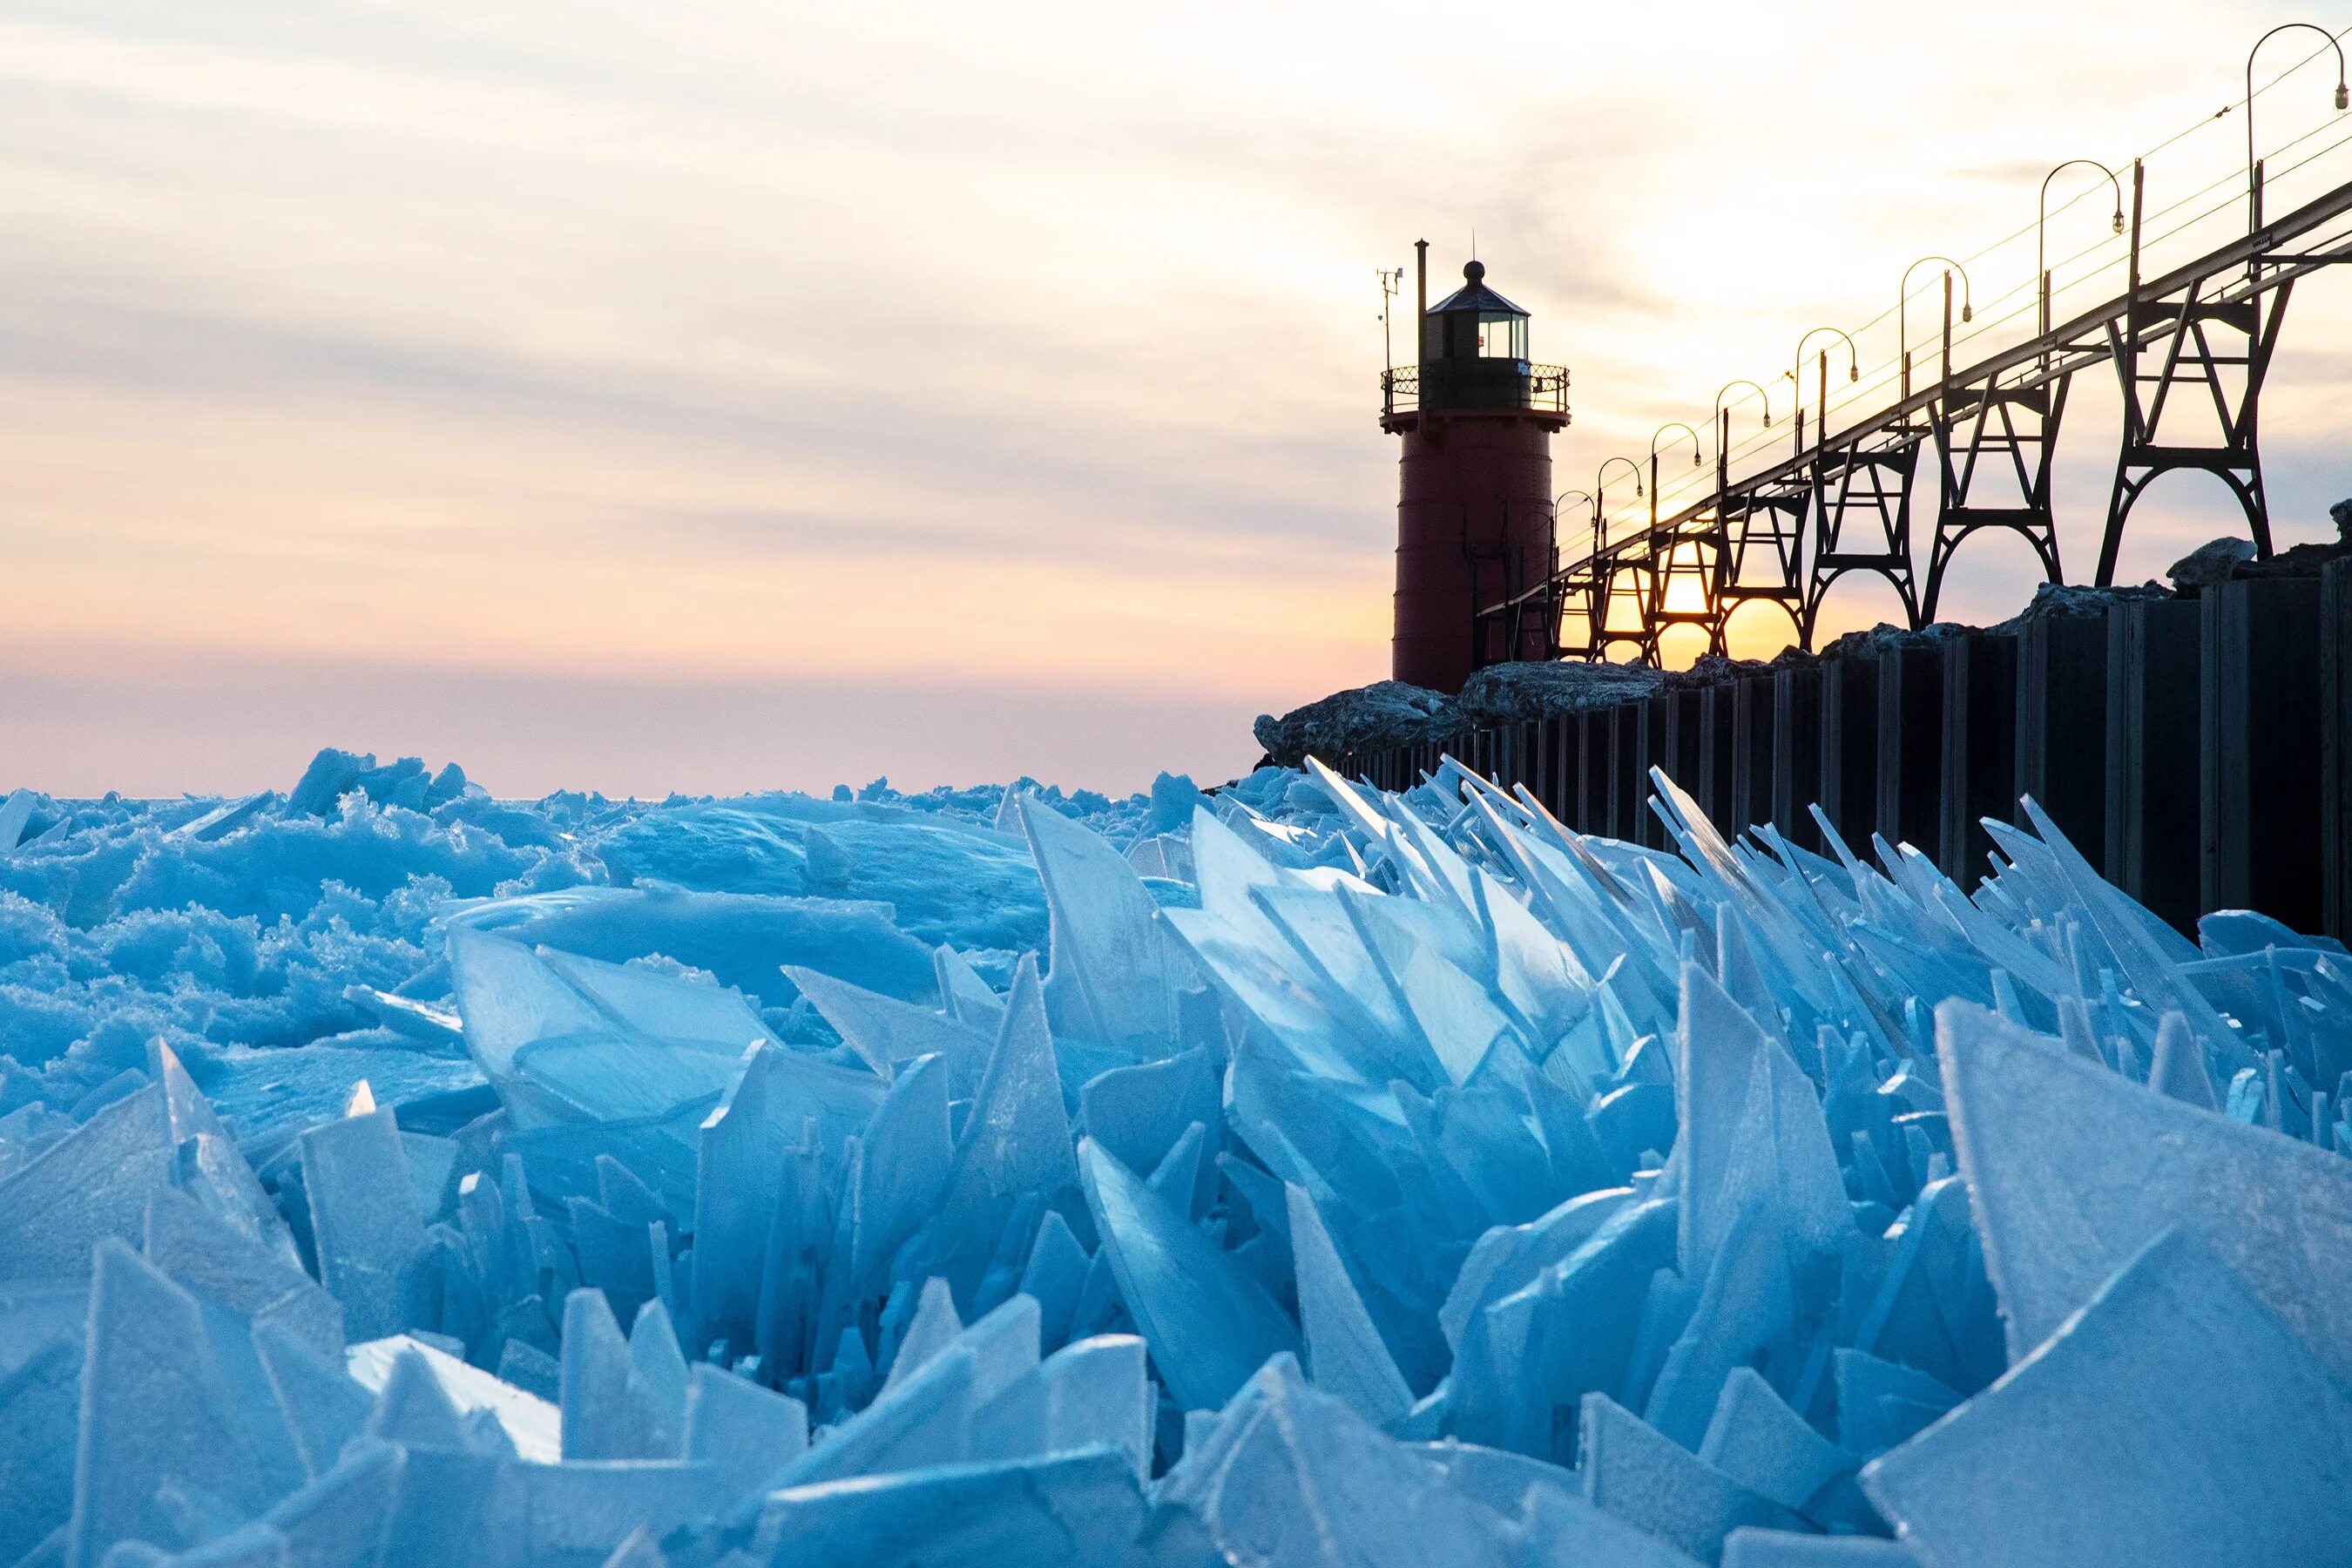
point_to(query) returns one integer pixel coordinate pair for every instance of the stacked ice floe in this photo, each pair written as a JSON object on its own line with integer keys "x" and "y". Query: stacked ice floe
{"x": 1295, "y": 1176}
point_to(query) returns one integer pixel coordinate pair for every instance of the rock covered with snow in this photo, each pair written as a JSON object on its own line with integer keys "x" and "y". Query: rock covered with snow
{"x": 1544, "y": 689}
{"x": 2211, "y": 562}
{"x": 1714, "y": 668}
{"x": 2297, "y": 560}
{"x": 2233, "y": 560}
{"x": 1385, "y": 713}
{"x": 1879, "y": 638}
{"x": 1391, "y": 713}
{"x": 1328, "y": 1178}
{"x": 2077, "y": 602}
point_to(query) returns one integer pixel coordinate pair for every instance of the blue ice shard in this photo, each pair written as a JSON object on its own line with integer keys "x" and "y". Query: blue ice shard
{"x": 1748, "y": 1547}
{"x": 590, "y": 1056}
{"x": 1526, "y": 1360}
{"x": 1647, "y": 1480}
{"x": 39, "y": 1396}
{"x": 1746, "y": 1313}
{"x": 1751, "y": 1130}
{"x": 341, "y": 1517}
{"x": 1055, "y": 1277}
{"x": 324, "y": 1406}
{"x": 1344, "y": 1353}
{"x": 2176, "y": 1418}
{"x": 1563, "y": 1530}
{"x": 1209, "y": 1325}
{"x": 927, "y": 1418}
{"x": 1015, "y": 1145}
{"x": 1290, "y": 1478}
{"x": 222, "y": 1263}
{"x": 1507, "y": 1257}
{"x": 2072, "y": 1171}
{"x": 2178, "y": 1065}
{"x": 744, "y": 1432}
{"x": 165, "y": 1453}
{"x": 529, "y": 1427}
{"x": 935, "y": 1327}
{"x": 413, "y": 1411}
{"x": 210, "y": 1166}
{"x": 639, "y": 1551}
{"x": 1880, "y": 1403}
{"x": 583, "y": 1513}
{"x": 888, "y": 1034}
{"x": 758, "y": 1175}
{"x": 1781, "y": 1156}
{"x": 1115, "y": 974}
{"x": 1756, "y": 1439}
{"x": 372, "y": 1247}
{"x": 1094, "y": 1392}
{"x": 1139, "y": 1112}
{"x": 611, "y": 1411}
{"x": 1078, "y": 1506}
{"x": 899, "y": 1168}
{"x": 91, "y": 1183}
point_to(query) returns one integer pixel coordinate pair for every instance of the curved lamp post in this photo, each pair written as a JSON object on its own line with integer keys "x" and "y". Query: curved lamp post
{"x": 1599, "y": 489}
{"x": 2253, "y": 168}
{"x": 1797, "y": 379}
{"x": 1669, "y": 425}
{"x": 1756, "y": 386}
{"x": 1723, "y": 427}
{"x": 1586, "y": 498}
{"x": 1903, "y": 301}
{"x": 2041, "y": 221}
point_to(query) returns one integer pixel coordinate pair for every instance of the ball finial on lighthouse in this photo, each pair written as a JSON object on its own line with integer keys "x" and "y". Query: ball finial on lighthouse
{"x": 1476, "y": 272}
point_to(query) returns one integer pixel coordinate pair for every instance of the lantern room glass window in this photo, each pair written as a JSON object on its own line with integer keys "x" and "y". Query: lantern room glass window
{"x": 1502, "y": 337}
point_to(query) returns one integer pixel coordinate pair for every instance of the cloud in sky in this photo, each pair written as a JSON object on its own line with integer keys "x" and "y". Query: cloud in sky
{"x": 510, "y": 364}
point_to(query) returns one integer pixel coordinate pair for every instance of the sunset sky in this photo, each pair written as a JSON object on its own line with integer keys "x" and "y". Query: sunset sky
{"x": 734, "y": 396}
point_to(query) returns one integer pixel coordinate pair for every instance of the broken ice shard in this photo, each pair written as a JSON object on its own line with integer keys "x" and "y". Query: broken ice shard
{"x": 2140, "y": 1432}
{"x": 2073, "y": 1170}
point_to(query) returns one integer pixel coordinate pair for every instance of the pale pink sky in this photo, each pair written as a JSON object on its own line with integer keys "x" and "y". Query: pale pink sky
{"x": 739, "y": 396}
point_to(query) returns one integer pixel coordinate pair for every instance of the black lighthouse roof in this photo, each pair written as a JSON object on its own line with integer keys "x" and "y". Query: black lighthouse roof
{"x": 1473, "y": 295}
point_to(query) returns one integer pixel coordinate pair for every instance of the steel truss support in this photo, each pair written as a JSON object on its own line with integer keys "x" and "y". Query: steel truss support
{"x": 1624, "y": 585}
{"x": 1862, "y": 511}
{"x": 1532, "y": 631}
{"x": 2004, "y": 438}
{"x": 1764, "y": 554}
{"x": 1577, "y": 611}
{"x": 1762, "y": 551}
{"x": 2181, "y": 328}
{"x": 1688, "y": 557}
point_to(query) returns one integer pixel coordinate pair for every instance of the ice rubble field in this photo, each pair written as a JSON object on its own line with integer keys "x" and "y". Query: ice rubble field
{"x": 390, "y": 1175}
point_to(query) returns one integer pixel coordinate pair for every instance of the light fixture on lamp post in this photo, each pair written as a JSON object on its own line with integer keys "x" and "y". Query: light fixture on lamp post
{"x": 2041, "y": 223}
{"x": 2254, "y": 166}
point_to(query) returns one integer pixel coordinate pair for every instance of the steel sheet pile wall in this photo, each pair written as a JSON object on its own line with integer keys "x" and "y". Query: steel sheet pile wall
{"x": 2194, "y": 751}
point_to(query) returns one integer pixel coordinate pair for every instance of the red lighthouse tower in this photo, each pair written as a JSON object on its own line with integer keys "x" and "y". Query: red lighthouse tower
{"x": 1474, "y": 497}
